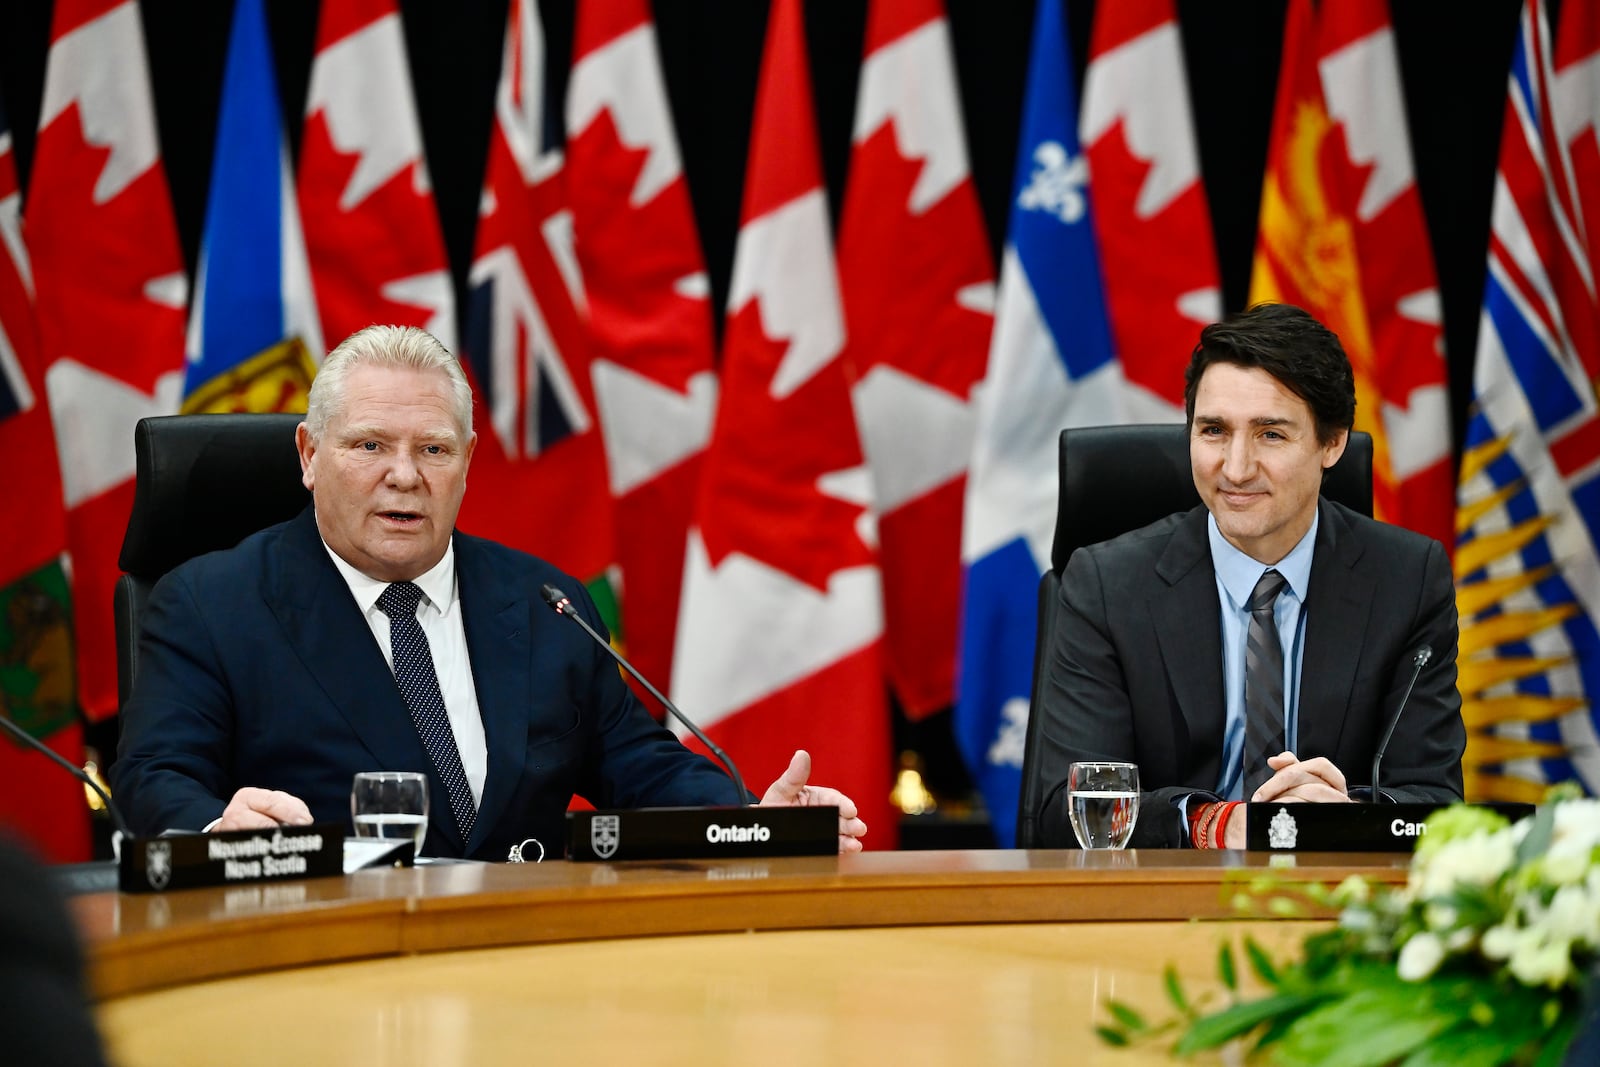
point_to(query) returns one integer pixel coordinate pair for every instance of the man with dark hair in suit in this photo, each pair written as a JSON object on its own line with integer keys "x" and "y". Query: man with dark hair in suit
{"x": 1251, "y": 649}
{"x": 367, "y": 634}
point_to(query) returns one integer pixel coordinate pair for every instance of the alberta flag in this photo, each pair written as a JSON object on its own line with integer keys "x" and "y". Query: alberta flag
{"x": 1051, "y": 365}
{"x": 254, "y": 340}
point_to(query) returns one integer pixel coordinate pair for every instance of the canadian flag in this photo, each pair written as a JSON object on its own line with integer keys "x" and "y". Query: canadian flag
{"x": 779, "y": 636}
{"x": 649, "y": 311}
{"x": 918, "y": 289}
{"x": 1342, "y": 235}
{"x": 38, "y": 802}
{"x": 111, "y": 293}
{"x": 372, "y": 233}
{"x": 1157, "y": 255}
{"x": 539, "y": 471}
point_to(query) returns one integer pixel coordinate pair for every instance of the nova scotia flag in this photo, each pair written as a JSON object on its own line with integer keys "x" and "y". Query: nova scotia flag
{"x": 1051, "y": 365}
{"x": 254, "y": 339}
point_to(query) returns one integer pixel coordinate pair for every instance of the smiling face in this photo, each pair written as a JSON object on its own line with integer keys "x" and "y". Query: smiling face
{"x": 389, "y": 473}
{"x": 1256, "y": 459}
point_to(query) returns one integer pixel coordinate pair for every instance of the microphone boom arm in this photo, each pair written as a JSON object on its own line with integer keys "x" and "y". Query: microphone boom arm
{"x": 563, "y": 606}
{"x": 1419, "y": 660}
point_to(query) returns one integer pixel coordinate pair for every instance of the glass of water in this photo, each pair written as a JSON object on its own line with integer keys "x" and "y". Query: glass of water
{"x": 1103, "y": 801}
{"x": 391, "y": 804}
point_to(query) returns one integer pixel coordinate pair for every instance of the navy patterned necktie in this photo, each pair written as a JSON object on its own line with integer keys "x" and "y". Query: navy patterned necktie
{"x": 419, "y": 685}
{"x": 1263, "y": 684}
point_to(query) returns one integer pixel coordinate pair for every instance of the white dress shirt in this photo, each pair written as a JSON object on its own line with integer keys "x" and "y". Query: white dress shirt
{"x": 439, "y": 613}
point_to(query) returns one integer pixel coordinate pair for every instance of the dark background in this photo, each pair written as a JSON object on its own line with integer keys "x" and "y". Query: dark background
{"x": 1454, "y": 60}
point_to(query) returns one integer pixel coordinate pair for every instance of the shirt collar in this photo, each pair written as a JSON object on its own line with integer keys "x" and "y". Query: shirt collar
{"x": 1239, "y": 573}
{"x": 438, "y": 584}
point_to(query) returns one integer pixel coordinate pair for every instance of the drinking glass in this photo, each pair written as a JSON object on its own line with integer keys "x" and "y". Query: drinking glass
{"x": 1103, "y": 802}
{"x": 391, "y": 804}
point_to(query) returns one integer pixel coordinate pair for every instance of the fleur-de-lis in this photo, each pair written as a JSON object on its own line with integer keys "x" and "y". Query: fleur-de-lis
{"x": 1057, "y": 183}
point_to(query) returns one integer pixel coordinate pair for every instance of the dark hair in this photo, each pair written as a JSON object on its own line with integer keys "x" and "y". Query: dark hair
{"x": 1287, "y": 343}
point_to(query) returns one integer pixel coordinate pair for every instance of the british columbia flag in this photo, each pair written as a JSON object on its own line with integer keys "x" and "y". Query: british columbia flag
{"x": 1528, "y": 571}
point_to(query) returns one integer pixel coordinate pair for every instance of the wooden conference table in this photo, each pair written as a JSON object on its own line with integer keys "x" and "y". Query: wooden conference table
{"x": 921, "y": 957}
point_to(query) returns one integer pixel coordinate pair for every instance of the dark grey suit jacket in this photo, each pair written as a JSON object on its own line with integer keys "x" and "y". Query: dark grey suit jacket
{"x": 1135, "y": 672}
{"x": 256, "y": 668}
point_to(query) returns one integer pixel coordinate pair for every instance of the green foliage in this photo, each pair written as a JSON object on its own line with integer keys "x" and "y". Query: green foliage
{"x": 1467, "y": 965}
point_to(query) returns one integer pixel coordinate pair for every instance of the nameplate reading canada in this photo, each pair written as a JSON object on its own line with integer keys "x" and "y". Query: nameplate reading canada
{"x": 701, "y": 833}
{"x": 232, "y": 857}
{"x": 1347, "y": 827}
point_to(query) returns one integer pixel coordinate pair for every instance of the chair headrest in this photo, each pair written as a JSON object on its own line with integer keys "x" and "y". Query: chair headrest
{"x": 206, "y": 482}
{"x": 1118, "y": 478}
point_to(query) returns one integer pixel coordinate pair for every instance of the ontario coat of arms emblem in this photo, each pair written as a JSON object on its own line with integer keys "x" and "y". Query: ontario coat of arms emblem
{"x": 605, "y": 834}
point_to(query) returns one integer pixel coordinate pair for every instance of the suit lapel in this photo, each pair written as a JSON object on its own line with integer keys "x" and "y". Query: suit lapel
{"x": 323, "y": 625}
{"x": 1185, "y": 612}
{"x": 497, "y": 619}
{"x": 1337, "y": 604}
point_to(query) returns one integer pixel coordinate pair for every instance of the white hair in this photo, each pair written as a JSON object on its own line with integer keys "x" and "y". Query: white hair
{"x": 384, "y": 346}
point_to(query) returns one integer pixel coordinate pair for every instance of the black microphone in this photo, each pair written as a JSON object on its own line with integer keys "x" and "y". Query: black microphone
{"x": 1419, "y": 660}
{"x": 77, "y": 772}
{"x": 558, "y": 600}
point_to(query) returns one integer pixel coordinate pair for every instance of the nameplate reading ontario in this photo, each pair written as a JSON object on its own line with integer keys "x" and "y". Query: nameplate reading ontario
{"x": 231, "y": 857}
{"x": 1347, "y": 827}
{"x": 701, "y": 833}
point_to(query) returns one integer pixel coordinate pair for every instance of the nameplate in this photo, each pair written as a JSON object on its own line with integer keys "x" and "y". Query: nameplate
{"x": 232, "y": 857}
{"x": 1347, "y": 827}
{"x": 701, "y": 833}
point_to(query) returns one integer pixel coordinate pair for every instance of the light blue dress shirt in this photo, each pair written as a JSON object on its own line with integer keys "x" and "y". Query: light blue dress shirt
{"x": 1237, "y": 575}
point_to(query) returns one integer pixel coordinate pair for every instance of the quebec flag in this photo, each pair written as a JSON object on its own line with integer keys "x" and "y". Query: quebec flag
{"x": 254, "y": 340}
{"x": 1051, "y": 366}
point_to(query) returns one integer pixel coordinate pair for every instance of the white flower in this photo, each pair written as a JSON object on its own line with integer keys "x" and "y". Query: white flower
{"x": 1537, "y": 961}
{"x": 1572, "y": 916}
{"x": 1440, "y": 916}
{"x": 1499, "y": 942}
{"x": 1420, "y": 957}
{"x": 1480, "y": 859}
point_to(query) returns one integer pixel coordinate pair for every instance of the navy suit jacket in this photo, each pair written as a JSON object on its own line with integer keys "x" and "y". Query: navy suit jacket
{"x": 256, "y": 668}
{"x": 1135, "y": 671}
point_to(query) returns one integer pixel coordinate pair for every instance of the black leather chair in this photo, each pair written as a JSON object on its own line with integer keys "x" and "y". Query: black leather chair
{"x": 1119, "y": 478}
{"x": 202, "y": 483}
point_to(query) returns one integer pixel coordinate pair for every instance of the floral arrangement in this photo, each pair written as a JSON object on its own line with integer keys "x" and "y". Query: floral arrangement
{"x": 1481, "y": 958}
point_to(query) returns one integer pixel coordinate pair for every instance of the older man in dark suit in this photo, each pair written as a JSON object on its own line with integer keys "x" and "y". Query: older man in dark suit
{"x": 367, "y": 634}
{"x": 1252, "y": 649}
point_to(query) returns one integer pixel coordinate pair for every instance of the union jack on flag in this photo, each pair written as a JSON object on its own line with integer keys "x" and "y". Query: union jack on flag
{"x": 540, "y": 462}
{"x": 1528, "y": 519}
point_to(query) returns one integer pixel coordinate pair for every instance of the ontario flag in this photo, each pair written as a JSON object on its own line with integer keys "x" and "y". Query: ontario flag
{"x": 1342, "y": 235}
{"x": 372, "y": 234}
{"x": 539, "y": 474}
{"x": 1051, "y": 365}
{"x": 38, "y": 802}
{"x": 111, "y": 294}
{"x": 1150, "y": 216}
{"x": 649, "y": 312}
{"x": 254, "y": 339}
{"x": 779, "y": 642}
{"x": 1526, "y": 561}
{"x": 918, "y": 288}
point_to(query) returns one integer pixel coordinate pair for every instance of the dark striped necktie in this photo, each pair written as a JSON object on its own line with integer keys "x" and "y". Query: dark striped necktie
{"x": 1263, "y": 684}
{"x": 419, "y": 685}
